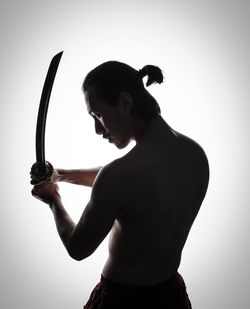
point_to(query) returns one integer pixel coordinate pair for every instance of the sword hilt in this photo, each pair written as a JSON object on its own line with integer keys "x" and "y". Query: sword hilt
{"x": 41, "y": 171}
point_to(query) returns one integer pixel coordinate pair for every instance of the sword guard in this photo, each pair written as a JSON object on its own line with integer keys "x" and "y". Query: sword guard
{"x": 41, "y": 171}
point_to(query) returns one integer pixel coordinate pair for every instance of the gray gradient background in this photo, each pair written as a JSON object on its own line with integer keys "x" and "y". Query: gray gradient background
{"x": 203, "y": 47}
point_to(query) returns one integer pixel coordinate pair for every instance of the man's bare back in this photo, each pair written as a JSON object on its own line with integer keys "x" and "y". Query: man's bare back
{"x": 164, "y": 179}
{"x": 147, "y": 199}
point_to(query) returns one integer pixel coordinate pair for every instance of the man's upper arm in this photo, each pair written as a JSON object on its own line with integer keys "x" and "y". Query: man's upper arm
{"x": 99, "y": 215}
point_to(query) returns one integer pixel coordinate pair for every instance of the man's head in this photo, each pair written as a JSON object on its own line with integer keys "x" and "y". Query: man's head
{"x": 116, "y": 97}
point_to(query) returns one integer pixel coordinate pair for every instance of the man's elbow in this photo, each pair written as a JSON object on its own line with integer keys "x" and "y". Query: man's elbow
{"x": 77, "y": 257}
{"x": 77, "y": 254}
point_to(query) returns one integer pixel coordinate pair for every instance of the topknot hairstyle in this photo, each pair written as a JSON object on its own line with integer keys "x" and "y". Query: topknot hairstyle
{"x": 154, "y": 74}
{"x": 113, "y": 77}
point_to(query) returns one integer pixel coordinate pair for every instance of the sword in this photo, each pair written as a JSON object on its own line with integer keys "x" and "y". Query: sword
{"x": 42, "y": 170}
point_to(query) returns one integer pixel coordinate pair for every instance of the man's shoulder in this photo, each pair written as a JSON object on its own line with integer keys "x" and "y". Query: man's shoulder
{"x": 112, "y": 177}
{"x": 113, "y": 169}
{"x": 196, "y": 155}
{"x": 191, "y": 146}
{"x": 118, "y": 168}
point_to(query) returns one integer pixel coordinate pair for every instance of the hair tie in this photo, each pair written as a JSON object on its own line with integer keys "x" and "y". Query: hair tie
{"x": 140, "y": 73}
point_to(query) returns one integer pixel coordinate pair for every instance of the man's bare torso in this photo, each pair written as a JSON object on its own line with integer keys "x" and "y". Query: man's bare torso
{"x": 165, "y": 177}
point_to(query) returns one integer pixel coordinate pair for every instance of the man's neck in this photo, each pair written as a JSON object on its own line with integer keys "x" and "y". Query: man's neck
{"x": 153, "y": 129}
{"x": 142, "y": 127}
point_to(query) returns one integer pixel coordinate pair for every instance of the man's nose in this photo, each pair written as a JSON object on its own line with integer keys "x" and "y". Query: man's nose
{"x": 99, "y": 128}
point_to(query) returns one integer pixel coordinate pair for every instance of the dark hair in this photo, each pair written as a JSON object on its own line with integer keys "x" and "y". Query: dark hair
{"x": 113, "y": 77}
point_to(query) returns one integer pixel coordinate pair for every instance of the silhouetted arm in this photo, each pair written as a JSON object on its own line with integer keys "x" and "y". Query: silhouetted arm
{"x": 106, "y": 202}
{"x": 48, "y": 192}
{"x": 84, "y": 177}
{"x": 64, "y": 224}
{"x": 81, "y": 239}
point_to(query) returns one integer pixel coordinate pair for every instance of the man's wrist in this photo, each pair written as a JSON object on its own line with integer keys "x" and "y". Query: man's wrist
{"x": 61, "y": 174}
{"x": 55, "y": 203}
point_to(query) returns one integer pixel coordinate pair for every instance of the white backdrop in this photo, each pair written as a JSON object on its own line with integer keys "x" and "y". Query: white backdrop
{"x": 203, "y": 48}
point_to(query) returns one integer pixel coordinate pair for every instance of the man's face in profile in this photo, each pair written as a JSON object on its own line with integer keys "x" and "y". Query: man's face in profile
{"x": 110, "y": 121}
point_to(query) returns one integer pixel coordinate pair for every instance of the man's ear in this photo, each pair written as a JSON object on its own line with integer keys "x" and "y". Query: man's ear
{"x": 125, "y": 102}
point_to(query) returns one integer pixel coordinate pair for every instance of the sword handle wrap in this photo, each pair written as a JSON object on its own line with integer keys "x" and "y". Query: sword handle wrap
{"x": 41, "y": 171}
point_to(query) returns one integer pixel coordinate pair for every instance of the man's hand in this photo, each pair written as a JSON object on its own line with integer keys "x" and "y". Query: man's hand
{"x": 46, "y": 192}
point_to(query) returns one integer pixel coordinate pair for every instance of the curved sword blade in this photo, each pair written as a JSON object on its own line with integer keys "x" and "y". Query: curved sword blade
{"x": 42, "y": 170}
{"x": 43, "y": 108}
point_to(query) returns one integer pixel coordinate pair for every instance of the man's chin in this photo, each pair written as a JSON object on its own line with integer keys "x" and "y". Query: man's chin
{"x": 119, "y": 144}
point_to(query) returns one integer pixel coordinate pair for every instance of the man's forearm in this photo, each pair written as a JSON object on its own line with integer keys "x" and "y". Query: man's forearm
{"x": 65, "y": 225}
{"x": 84, "y": 177}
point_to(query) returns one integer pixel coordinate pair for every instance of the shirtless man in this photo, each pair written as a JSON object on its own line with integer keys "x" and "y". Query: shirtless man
{"x": 147, "y": 200}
